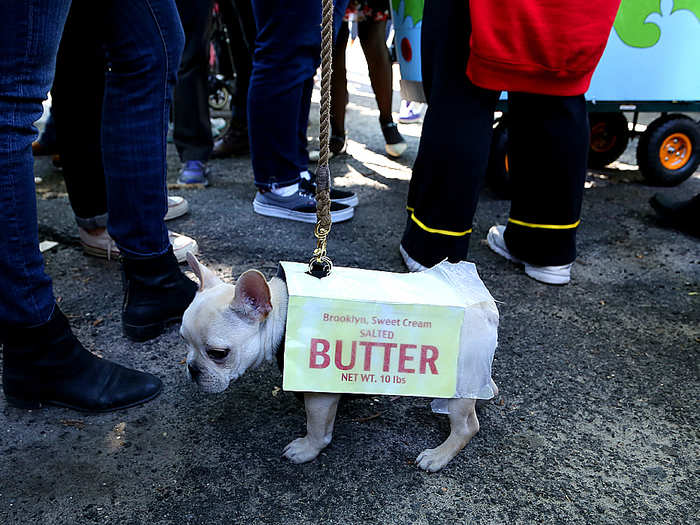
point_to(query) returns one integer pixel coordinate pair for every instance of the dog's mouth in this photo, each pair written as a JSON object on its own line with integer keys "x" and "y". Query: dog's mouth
{"x": 205, "y": 382}
{"x": 211, "y": 387}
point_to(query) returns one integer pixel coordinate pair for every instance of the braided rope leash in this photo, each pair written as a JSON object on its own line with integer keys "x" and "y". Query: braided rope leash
{"x": 320, "y": 264}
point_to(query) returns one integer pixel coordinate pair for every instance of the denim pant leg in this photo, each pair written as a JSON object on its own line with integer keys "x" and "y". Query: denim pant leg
{"x": 144, "y": 42}
{"x": 29, "y": 42}
{"x": 287, "y": 48}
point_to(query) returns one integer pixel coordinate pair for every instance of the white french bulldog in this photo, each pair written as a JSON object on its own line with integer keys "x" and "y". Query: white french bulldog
{"x": 231, "y": 328}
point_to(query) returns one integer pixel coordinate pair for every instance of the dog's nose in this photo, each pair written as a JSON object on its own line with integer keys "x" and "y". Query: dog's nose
{"x": 194, "y": 372}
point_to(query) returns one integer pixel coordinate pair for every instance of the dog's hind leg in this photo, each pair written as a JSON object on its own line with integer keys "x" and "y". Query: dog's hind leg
{"x": 463, "y": 426}
{"x": 320, "y": 417}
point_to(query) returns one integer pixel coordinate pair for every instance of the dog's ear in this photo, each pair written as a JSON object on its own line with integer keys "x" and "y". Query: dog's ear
{"x": 252, "y": 298}
{"x": 206, "y": 277}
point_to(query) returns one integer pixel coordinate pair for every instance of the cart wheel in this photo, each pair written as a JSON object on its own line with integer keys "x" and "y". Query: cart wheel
{"x": 497, "y": 176}
{"x": 669, "y": 150}
{"x": 609, "y": 137}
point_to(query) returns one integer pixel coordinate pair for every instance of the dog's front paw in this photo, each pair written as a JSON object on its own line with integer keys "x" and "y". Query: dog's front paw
{"x": 301, "y": 450}
{"x": 433, "y": 459}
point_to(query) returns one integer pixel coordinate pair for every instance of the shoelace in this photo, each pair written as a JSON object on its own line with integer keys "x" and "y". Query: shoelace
{"x": 111, "y": 245}
{"x": 308, "y": 195}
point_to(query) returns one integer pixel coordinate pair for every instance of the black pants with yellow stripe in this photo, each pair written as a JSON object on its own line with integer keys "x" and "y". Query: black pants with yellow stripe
{"x": 547, "y": 155}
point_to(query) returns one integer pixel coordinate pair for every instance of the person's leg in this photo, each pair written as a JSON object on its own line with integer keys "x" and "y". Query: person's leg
{"x": 78, "y": 90}
{"x": 372, "y": 34}
{"x": 451, "y": 163}
{"x": 303, "y": 125}
{"x": 144, "y": 41}
{"x": 243, "y": 45}
{"x": 77, "y": 94}
{"x": 546, "y": 205}
{"x": 339, "y": 94}
{"x": 239, "y": 20}
{"x": 286, "y": 53}
{"x": 29, "y": 42}
{"x": 339, "y": 83}
{"x": 192, "y": 133}
{"x": 336, "y": 142}
{"x": 43, "y": 362}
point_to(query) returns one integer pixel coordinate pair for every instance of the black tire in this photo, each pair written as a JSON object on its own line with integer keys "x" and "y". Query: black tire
{"x": 659, "y": 134}
{"x": 497, "y": 176}
{"x": 609, "y": 138}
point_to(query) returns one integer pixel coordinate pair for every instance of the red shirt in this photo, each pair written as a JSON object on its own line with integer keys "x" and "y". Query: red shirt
{"x": 548, "y": 47}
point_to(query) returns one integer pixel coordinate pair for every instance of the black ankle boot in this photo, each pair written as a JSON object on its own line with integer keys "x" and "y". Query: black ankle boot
{"x": 156, "y": 293}
{"x": 47, "y": 365}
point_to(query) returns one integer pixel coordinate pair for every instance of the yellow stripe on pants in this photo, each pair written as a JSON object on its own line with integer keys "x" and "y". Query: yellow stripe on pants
{"x": 546, "y": 226}
{"x": 435, "y": 230}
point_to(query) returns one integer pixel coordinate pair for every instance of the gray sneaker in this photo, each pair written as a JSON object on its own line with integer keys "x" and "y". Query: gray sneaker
{"x": 300, "y": 206}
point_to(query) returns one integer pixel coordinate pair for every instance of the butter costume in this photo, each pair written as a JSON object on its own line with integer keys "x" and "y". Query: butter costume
{"x": 346, "y": 307}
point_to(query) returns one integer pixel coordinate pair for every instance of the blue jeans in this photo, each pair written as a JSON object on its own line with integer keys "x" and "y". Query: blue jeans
{"x": 143, "y": 40}
{"x": 287, "y": 53}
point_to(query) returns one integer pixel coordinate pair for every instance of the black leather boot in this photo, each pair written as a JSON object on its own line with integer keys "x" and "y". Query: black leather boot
{"x": 47, "y": 365}
{"x": 156, "y": 293}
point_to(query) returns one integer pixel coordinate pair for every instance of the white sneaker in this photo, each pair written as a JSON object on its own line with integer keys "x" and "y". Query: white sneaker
{"x": 177, "y": 207}
{"x": 182, "y": 245}
{"x": 102, "y": 245}
{"x": 543, "y": 274}
{"x": 410, "y": 112}
{"x": 410, "y": 262}
{"x": 98, "y": 245}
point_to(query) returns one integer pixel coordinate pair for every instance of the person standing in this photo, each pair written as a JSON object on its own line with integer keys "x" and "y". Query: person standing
{"x": 371, "y": 17}
{"x": 43, "y": 362}
{"x": 544, "y": 54}
{"x": 191, "y": 127}
{"x": 240, "y": 23}
{"x": 77, "y": 99}
{"x": 287, "y": 52}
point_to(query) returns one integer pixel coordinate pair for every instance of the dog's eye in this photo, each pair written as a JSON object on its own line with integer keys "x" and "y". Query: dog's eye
{"x": 217, "y": 354}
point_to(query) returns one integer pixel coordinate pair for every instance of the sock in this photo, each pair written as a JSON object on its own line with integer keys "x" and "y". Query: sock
{"x": 305, "y": 175}
{"x": 286, "y": 191}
